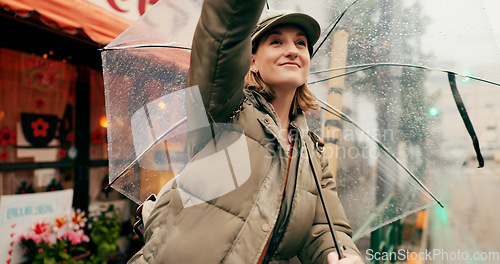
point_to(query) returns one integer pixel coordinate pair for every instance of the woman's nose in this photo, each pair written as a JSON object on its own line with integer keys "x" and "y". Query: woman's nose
{"x": 291, "y": 50}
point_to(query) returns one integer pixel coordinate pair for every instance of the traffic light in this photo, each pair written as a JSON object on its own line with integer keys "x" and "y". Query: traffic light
{"x": 433, "y": 111}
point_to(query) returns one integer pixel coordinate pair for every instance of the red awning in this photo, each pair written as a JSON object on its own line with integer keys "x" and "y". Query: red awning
{"x": 76, "y": 17}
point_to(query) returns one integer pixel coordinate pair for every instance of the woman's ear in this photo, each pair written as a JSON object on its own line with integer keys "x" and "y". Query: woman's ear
{"x": 253, "y": 66}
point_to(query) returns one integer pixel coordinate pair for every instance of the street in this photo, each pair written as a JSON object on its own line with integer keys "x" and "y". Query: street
{"x": 467, "y": 229}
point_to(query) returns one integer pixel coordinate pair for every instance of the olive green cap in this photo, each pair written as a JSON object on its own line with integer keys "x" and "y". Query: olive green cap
{"x": 272, "y": 18}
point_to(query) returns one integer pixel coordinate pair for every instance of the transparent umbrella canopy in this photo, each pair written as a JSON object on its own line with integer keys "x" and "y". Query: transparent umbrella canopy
{"x": 383, "y": 78}
{"x": 153, "y": 117}
{"x": 417, "y": 81}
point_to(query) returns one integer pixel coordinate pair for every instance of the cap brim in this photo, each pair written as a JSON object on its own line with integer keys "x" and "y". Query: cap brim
{"x": 306, "y": 22}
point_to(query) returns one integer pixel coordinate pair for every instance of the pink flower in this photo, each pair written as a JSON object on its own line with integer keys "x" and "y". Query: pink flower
{"x": 37, "y": 239}
{"x": 39, "y": 233}
{"x": 60, "y": 223}
{"x": 75, "y": 237}
{"x": 40, "y": 228}
{"x": 78, "y": 219}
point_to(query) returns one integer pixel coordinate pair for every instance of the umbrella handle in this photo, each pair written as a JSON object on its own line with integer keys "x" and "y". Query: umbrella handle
{"x": 320, "y": 192}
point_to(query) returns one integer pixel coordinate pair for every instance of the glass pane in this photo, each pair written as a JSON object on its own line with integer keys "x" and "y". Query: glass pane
{"x": 36, "y": 108}
{"x": 98, "y": 121}
{"x": 39, "y": 180}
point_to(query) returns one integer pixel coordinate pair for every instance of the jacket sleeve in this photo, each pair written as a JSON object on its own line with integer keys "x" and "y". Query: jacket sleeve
{"x": 320, "y": 243}
{"x": 221, "y": 53}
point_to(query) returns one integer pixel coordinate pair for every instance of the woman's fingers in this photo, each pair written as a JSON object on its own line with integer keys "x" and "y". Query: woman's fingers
{"x": 333, "y": 258}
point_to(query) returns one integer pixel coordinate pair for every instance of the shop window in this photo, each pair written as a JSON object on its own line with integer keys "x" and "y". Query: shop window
{"x": 37, "y": 120}
{"x": 98, "y": 121}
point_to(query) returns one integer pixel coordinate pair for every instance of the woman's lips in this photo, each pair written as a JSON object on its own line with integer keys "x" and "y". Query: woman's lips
{"x": 290, "y": 64}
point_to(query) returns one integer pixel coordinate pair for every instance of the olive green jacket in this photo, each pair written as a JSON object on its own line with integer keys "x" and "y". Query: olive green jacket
{"x": 235, "y": 227}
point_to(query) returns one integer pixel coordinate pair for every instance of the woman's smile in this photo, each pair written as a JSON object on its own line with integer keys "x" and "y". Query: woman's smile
{"x": 290, "y": 63}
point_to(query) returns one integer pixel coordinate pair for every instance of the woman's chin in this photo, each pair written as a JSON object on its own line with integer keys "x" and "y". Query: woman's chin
{"x": 286, "y": 83}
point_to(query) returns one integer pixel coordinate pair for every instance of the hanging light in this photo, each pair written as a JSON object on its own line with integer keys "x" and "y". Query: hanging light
{"x": 103, "y": 122}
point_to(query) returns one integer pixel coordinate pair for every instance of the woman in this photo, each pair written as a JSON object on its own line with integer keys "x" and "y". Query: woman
{"x": 254, "y": 77}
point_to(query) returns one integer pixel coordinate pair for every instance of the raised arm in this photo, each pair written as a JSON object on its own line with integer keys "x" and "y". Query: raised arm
{"x": 221, "y": 53}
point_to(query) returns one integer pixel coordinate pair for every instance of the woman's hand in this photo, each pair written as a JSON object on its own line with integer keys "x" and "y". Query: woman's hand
{"x": 333, "y": 258}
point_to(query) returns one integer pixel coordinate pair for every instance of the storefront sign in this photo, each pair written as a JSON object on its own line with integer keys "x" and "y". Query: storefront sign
{"x": 19, "y": 212}
{"x": 130, "y": 9}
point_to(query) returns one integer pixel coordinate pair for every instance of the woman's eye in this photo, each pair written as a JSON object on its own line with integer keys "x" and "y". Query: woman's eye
{"x": 302, "y": 43}
{"x": 275, "y": 42}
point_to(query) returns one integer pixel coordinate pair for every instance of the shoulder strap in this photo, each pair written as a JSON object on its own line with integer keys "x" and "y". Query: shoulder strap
{"x": 318, "y": 142}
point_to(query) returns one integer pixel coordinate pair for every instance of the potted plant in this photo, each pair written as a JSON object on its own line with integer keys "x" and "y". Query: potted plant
{"x": 60, "y": 241}
{"x": 105, "y": 229}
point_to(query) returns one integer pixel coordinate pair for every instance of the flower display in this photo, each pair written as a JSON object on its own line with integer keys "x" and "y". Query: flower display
{"x": 4, "y": 155}
{"x": 78, "y": 218}
{"x": 61, "y": 153}
{"x": 39, "y": 103}
{"x": 59, "y": 223}
{"x": 54, "y": 242}
{"x": 75, "y": 237}
{"x": 40, "y": 127}
{"x": 97, "y": 137}
{"x": 7, "y": 137}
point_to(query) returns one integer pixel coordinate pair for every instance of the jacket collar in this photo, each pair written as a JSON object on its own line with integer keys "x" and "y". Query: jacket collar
{"x": 299, "y": 122}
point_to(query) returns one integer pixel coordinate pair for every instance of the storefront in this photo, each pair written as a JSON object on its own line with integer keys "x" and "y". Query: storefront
{"x": 52, "y": 109}
{"x": 52, "y": 112}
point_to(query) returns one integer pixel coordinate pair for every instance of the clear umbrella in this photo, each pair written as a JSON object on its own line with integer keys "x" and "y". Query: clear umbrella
{"x": 402, "y": 137}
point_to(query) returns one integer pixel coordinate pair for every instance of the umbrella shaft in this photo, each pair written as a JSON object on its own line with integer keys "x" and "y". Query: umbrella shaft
{"x": 330, "y": 225}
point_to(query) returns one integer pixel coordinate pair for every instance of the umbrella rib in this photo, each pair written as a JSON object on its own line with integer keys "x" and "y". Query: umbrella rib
{"x": 343, "y": 116}
{"x": 334, "y": 23}
{"x": 367, "y": 66}
{"x": 146, "y": 150}
{"x": 340, "y": 75}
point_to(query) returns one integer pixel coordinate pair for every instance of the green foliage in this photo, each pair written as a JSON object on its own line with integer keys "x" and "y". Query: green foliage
{"x": 47, "y": 253}
{"x": 104, "y": 233}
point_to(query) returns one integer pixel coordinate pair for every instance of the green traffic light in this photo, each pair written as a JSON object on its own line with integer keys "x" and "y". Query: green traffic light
{"x": 433, "y": 111}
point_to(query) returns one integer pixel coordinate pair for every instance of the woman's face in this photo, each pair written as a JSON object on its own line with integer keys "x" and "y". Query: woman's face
{"x": 282, "y": 57}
